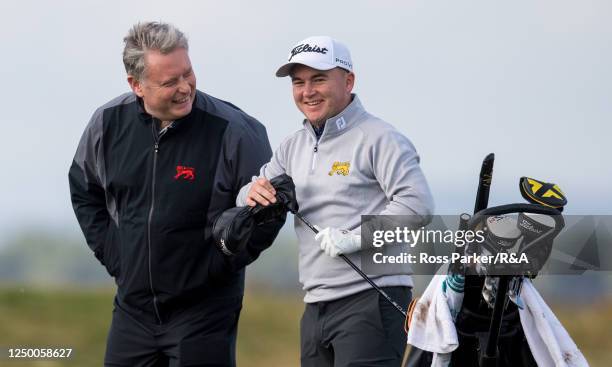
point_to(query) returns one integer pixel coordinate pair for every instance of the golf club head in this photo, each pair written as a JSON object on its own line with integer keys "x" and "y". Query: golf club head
{"x": 514, "y": 292}
{"x": 533, "y": 227}
{"x": 501, "y": 235}
{"x": 502, "y": 232}
{"x": 489, "y": 289}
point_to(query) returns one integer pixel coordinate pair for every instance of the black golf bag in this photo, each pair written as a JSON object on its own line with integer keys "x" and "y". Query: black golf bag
{"x": 488, "y": 326}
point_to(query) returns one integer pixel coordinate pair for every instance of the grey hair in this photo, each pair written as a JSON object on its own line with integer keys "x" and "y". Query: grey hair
{"x": 162, "y": 37}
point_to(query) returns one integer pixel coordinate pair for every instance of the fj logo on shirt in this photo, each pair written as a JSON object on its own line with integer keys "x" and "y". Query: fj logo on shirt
{"x": 341, "y": 123}
{"x": 185, "y": 173}
{"x": 340, "y": 168}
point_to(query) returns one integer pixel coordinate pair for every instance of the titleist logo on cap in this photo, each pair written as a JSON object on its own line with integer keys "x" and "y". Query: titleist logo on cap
{"x": 306, "y": 48}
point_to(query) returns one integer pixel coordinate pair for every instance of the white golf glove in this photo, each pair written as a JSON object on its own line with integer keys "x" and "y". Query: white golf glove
{"x": 336, "y": 241}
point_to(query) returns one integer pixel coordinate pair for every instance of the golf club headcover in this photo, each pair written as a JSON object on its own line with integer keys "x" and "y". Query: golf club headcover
{"x": 269, "y": 214}
{"x": 543, "y": 193}
{"x": 285, "y": 201}
{"x": 285, "y": 192}
{"x": 232, "y": 229}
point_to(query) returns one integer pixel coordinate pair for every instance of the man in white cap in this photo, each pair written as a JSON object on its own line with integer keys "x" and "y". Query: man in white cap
{"x": 345, "y": 163}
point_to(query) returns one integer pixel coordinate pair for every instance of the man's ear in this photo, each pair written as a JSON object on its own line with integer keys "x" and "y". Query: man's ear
{"x": 136, "y": 85}
{"x": 350, "y": 81}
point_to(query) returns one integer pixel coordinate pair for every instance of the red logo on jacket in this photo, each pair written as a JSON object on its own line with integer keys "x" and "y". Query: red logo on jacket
{"x": 184, "y": 172}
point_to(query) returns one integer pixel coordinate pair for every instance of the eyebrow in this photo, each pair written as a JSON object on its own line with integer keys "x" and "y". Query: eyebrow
{"x": 165, "y": 82}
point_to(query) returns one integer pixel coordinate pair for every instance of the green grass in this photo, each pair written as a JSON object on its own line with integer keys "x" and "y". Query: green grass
{"x": 591, "y": 329}
{"x": 79, "y": 319}
{"x": 58, "y": 318}
{"x": 268, "y": 330}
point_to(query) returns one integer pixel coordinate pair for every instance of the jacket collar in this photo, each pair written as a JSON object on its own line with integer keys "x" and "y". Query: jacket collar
{"x": 343, "y": 121}
{"x": 147, "y": 118}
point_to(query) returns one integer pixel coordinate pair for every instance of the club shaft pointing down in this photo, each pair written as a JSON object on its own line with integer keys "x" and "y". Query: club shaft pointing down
{"x": 363, "y": 275}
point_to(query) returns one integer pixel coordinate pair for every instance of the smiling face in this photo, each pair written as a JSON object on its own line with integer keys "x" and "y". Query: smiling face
{"x": 168, "y": 86}
{"x": 321, "y": 94}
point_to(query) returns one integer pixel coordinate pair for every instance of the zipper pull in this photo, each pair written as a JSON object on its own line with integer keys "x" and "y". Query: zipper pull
{"x": 156, "y": 147}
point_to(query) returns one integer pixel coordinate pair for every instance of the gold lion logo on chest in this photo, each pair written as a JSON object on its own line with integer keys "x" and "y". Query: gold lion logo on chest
{"x": 340, "y": 168}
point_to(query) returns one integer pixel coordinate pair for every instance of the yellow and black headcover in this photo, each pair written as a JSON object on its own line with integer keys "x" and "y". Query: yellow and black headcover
{"x": 543, "y": 193}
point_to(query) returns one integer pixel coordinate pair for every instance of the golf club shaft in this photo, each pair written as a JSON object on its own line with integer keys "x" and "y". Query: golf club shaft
{"x": 482, "y": 202}
{"x": 496, "y": 318}
{"x": 363, "y": 275}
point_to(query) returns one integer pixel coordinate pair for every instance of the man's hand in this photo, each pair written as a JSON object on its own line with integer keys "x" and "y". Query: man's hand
{"x": 335, "y": 241}
{"x": 261, "y": 192}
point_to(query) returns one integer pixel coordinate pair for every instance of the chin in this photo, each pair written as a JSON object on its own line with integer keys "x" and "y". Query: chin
{"x": 315, "y": 118}
{"x": 183, "y": 112}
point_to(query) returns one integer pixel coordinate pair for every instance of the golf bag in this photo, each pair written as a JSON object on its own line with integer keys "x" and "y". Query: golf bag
{"x": 488, "y": 325}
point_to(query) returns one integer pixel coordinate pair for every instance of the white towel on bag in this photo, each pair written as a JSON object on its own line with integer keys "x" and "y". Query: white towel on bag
{"x": 548, "y": 340}
{"x": 432, "y": 328}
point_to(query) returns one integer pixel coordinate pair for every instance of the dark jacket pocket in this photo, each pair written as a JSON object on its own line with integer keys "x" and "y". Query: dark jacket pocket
{"x": 111, "y": 250}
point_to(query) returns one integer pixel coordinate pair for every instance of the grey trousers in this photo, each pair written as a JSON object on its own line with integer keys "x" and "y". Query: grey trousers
{"x": 359, "y": 330}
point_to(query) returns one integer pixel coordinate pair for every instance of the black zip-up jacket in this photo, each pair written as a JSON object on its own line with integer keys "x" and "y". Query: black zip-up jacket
{"x": 146, "y": 201}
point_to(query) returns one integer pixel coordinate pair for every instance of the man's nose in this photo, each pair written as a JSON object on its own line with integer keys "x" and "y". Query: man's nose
{"x": 309, "y": 90}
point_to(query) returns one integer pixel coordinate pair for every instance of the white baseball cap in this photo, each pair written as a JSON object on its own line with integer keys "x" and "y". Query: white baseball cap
{"x": 320, "y": 52}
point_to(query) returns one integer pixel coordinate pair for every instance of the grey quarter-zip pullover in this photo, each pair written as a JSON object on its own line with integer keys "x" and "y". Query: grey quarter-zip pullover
{"x": 360, "y": 165}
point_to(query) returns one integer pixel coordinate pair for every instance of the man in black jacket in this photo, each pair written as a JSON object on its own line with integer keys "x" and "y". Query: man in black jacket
{"x": 152, "y": 171}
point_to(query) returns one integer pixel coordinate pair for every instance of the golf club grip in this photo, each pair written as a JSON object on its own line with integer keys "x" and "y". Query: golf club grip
{"x": 484, "y": 183}
{"x": 363, "y": 275}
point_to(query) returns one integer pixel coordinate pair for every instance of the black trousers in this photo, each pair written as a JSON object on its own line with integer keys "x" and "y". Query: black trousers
{"x": 359, "y": 330}
{"x": 204, "y": 335}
